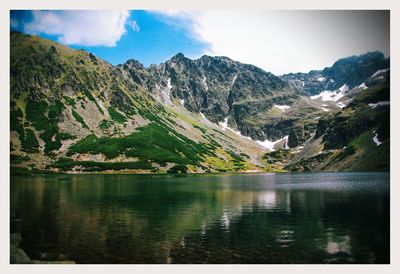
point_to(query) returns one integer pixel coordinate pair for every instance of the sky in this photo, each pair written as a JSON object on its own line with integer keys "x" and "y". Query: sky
{"x": 276, "y": 41}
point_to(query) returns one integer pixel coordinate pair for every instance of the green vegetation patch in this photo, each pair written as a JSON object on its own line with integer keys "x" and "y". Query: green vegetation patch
{"x": 203, "y": 130}
{"x": 154, "y": 142}
{"x": 44, "y": 118}
{"x": 30, "y": 143}
{"x": 65, "y": 136}
{"x": 18, "y": 159}
{"x": 79, "y": 119}
{"x": 17, "y": 170}
{"x": 116, "y": 116}
{"x": 371, "y": 156}
{"x": 178, "y": 169}
{"x": 69, "y": 101}
{"x": 275, "y": 156}
{"x": 36, "y": 113}
{"x": 67, "y": 164}
{"x": 350, "y": 150}
{"x": 105, "y": 124}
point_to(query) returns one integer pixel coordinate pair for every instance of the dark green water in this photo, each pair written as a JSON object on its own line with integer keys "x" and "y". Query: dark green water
{"x": 255, "y": 218}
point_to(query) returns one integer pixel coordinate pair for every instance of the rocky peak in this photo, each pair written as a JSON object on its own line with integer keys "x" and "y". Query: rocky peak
{"x": 178, "y": 59}
{"x": 354, "y": 70}
{"x": 132, "y": 64}
{"x": 351, "y": 71}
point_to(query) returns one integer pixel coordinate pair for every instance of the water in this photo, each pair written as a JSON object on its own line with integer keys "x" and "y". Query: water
{"x": 254, "y": 218}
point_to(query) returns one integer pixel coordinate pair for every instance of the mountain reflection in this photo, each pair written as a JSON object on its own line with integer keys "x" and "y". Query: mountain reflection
{"x": 201, "y": 219}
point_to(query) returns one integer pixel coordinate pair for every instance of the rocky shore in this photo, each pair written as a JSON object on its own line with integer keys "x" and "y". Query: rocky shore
{"x": 18, "y": 255}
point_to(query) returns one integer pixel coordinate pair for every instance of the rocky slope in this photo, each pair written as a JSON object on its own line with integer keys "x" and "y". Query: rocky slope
{"x": 352, "y": 72}
{"x": 73, "y": 112}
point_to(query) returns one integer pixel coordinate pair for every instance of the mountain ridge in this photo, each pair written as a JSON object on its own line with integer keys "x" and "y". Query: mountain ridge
{"x": 73, "y": 112}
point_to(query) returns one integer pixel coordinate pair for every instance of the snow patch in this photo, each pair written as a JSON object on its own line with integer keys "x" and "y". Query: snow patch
{"x": 317, "y": 118}
{"x": 182, "y": 102}
{"x": 325, "y": 109}
{"x": 363, "y": 86}
{"x": 375, "y": 139}
{"x": 283, "y": 108}
{"x": 169, "y": 86}
{"x": 344, "y": 88}
{"x": 320, "y": 79}
{"x": 324, "y": 105}
{"x": 382, "y": 103}
{"x": 286, "y": 139}
{"x": 270, "y": 145}
{"x": 378, "y": 72}
{"x": 224, "y": 124}
{"x": 266, "y": 144}
{"x": 234, "y": 79}
{"x": 341, "y": 105}
{"x": 331, "y": 95}
{"x": 166, "y": 92}
{"x": 205, "y": 83}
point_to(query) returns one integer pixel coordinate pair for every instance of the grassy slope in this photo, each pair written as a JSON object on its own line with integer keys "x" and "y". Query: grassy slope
{"x": 347, "y": 142}
{"x": 51, "y": 83}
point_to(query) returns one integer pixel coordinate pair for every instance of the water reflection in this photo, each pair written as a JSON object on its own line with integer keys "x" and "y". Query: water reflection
{"x": 204, "y": 219}
{"x": 338, "y": 244}
{"x": 267, "y": 199}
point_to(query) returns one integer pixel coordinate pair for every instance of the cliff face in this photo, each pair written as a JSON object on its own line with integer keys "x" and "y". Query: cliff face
{"x": 351, "y": 71}
{"x": 71, "y": 111}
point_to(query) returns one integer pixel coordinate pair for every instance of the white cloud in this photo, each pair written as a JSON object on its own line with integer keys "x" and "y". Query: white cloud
{"x": 284, "y": 41}
{"x": 86, "y": 28}
{"x": 181, "y": 19}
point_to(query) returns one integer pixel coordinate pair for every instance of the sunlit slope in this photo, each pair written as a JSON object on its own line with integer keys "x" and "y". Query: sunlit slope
{"x": 71, "y": 111}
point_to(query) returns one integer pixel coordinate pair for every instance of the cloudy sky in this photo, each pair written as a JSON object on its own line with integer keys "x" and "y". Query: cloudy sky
{"x": 277, "y": 41}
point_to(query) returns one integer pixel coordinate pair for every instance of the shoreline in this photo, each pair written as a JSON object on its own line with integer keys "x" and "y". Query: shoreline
{"x": 18, "y": 255}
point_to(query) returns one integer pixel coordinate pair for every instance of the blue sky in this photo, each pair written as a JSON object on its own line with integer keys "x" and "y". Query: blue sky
{"x": 276, "y": 41}
{"x": 155, "y": 42}
{"x": 152, "y": 41}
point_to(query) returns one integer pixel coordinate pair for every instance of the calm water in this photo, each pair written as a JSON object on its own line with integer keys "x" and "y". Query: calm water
{"x": 255, "y": 218}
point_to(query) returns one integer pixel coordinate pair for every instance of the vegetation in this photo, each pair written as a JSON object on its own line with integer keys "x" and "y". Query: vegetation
{"x": 79, "y": 119}
{"x": 89, "y": 166}
{"x": 69, "y": 101}
{"x": 278, "y": 155}
{"x": 350, "y": 150}
{"x": 18, "y": 159}
{"x": 178, "y": 169}
{"x": 44, "y": 118}
{"x": 49, "y": 80}
{"x": 105, "y": 124}
{"x": 154, "y": 142}
{"x": 116, "y": 116}
{"x": 203, "y": 130}
{"x": 65, "y": 136}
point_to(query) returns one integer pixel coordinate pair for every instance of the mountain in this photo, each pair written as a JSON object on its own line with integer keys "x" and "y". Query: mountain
{"x": 352, "y": 71}
{"x": 70, "y": 111}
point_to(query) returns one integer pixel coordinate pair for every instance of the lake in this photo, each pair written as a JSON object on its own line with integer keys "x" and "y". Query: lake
{"x": 224, "y": 218}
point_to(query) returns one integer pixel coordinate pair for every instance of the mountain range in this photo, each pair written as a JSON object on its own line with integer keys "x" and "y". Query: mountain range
{"x": 71, "y": 111}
